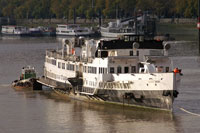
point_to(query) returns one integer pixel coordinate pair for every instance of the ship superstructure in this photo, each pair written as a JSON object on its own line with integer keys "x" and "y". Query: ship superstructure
{"x": 130, "y": 70}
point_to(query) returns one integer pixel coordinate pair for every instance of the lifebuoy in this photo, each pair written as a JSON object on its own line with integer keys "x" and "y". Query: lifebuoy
{"x": 176, "y": 70}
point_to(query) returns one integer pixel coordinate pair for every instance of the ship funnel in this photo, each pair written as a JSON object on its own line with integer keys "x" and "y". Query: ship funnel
{"x": 81, "y": 40}
{"x": 65, "y": 41}
{"x": 167, "y": 46}
{"x": 67, "y": 47}
{"x": 136, "y": 45}
{"x": 118, "y": 23}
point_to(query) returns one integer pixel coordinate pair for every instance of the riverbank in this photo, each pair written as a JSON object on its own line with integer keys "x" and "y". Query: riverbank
{"x": 96, "y": 21}
{"x": 54, "y": 22}
{"x": 180, "y": 29}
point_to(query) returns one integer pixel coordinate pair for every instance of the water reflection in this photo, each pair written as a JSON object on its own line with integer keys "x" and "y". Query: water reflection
{"x": 89, "y": 117}
{"x": 63, "y": 114}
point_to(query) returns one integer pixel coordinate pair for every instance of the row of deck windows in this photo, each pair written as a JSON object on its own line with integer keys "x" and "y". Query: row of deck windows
{"x": 51, "y": 61}
{"x": 132, "y": 69}
{"x": 161, "y": 69}
{"x": 70, "y": 67}
{"x": 89, "y": 69}
{"x": 67, "y": 66}
{"x": 125, "y": 69}
{"x": 102, "y": 70}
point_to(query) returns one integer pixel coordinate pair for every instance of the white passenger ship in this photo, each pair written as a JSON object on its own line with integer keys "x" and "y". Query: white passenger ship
{"x": 14, "y": 30}
{"x": 144, "y": 24}
{"x": 130, "y": 71}
{"x": 115, "y": 29}
{"x": 72, "y": 30}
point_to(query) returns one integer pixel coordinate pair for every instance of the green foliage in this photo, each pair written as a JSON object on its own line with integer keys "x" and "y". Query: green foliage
{"x": 56, "y": 8}
{"x": 90, "y": 8}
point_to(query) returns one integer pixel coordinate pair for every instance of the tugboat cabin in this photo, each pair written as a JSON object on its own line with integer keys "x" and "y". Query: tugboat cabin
{"x": 28, "y": 72}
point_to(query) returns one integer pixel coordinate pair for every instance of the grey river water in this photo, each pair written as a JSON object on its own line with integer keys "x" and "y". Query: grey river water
{"x": 45, "y": 112}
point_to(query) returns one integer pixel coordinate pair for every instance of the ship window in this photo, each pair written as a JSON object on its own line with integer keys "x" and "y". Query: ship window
{"x": 84, "y": 68}
{"x": 159, "y": 69}
{"x": 104, "y": 53}
{"x": 119, "y": 69}
{"x": 138, "y": 53}
{"x": 54, "y": 62}
{"x": 126, "y": 69}
{"x": 68, "y": 66}
{"x": 142, "y": 70}
{"x": 64, "y": 31}
{"x": 63, "y": 65}
{"x": 132, "y": 38}
{"x": 105, "y": 70}
{"x": 95, "y": 70}
{"x": 133, "y": 69}
{"x": 92, "y": 70}
{"x": 72, "y": 67}
{"x": 126, "y": 38}
{"x": 112, "y": 70}
{"x": 77, "y": 68}
{"x": 167, "y": 69}
{"x": 59, "y": 65}
{"x": 131, "y": 53}
{"x": 102, "y": 70}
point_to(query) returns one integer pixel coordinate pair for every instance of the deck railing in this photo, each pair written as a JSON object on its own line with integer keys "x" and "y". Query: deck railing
{"x": 59, "y": 55}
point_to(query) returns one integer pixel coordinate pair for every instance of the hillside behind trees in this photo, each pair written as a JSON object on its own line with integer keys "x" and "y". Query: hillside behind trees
{"x": 22, "y": 9}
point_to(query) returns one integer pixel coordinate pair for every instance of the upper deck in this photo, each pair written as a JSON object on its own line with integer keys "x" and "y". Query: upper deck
{"x": 129, "y": 46}
{"x": 127, "y": 42}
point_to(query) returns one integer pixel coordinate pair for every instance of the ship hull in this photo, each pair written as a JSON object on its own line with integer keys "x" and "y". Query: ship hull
{"x": 152, "y": 99}
{"x": 29, "y": 84}
{"x": 74, "y": 34}
{"x": 22, "y": 88}
{"x": 114, "y": 35}
{"x": 13, "y": 34}
{"x": 149, "y": 99}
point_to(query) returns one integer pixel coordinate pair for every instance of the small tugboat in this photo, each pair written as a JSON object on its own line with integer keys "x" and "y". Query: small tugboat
{"x": 27, "y": 80}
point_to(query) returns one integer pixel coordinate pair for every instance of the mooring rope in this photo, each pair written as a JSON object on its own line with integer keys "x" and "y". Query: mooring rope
{"x": 184, "y": 110}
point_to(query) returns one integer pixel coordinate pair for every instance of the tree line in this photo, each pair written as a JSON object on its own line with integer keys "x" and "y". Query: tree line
{"x": 20, "y": 9}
